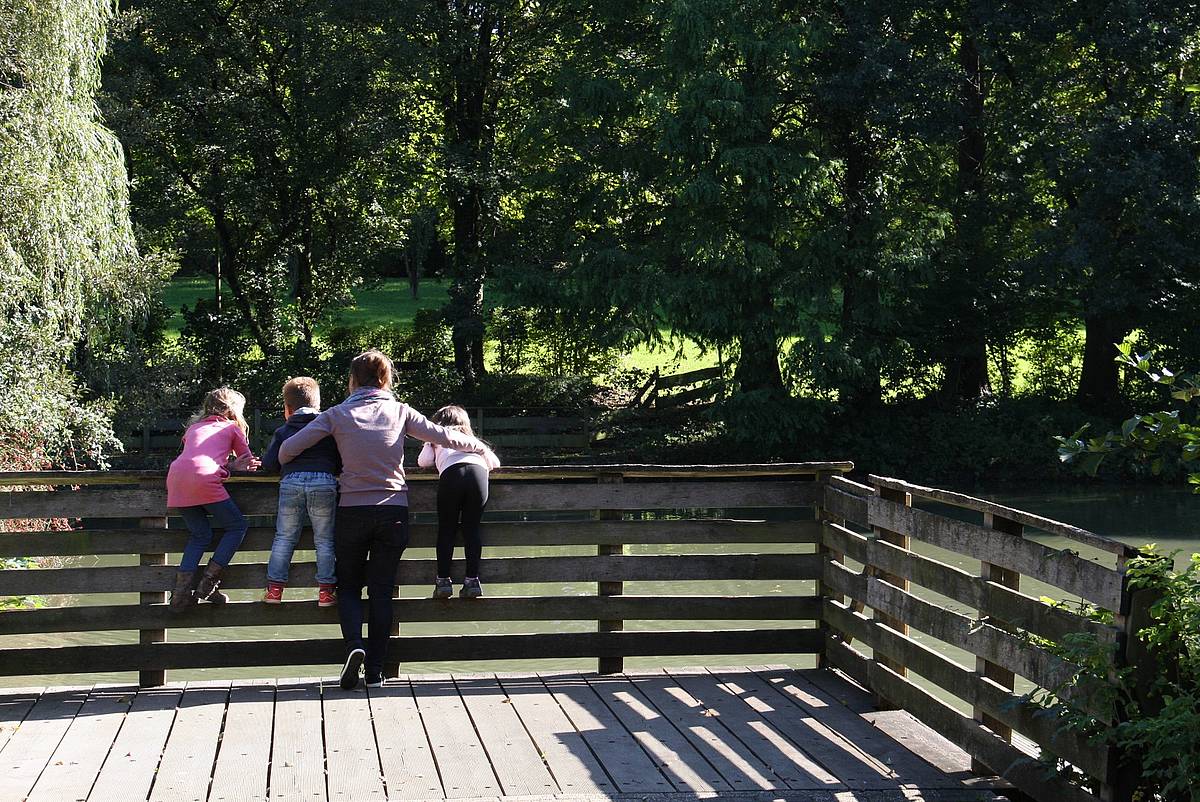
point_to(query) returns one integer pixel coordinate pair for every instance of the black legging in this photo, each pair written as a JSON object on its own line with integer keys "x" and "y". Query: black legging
{"x": 368, "y": 545}
{"x": 462, "y": 495}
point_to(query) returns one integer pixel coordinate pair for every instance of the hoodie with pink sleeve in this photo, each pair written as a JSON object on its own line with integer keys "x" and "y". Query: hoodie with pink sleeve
{"x": 369, "y": 428}
{"x": 443, "y": 457}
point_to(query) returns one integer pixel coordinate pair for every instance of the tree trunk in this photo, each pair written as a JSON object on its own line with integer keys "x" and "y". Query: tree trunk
{"x": 1099, "y": 378}
{"x": 966, "y": 376}
{"x": 232, "y": 278}
{"x": 758, "y": 364}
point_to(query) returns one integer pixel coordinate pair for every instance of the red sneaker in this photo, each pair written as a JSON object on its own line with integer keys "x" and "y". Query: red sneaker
{"x": 274, "y": 594}
{"x": 326, "y": 596}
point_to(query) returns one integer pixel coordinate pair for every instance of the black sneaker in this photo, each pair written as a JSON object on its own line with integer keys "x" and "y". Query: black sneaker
{"x": 374, "y": 680}
{"x": 351, "y": 669}
{"x": 443, "y": 588}
{"x": 471, "y": 589}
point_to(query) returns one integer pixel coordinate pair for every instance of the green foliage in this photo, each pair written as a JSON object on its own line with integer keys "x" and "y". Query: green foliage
{"x": 1158, "y": 728}
{"x": 70, "y": 274}
{"x": 1158, "y": 442}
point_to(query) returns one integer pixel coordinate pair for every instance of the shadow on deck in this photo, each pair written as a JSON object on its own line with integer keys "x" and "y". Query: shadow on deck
{"x": 750, "y": 734}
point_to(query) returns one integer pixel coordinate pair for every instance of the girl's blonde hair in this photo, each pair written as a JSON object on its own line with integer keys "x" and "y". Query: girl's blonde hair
{"x": 453, "y": 417}
{"x": 226, "y": 403}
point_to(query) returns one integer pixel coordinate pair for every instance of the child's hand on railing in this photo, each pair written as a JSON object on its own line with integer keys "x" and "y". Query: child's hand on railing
{"x": 246, "y": 462}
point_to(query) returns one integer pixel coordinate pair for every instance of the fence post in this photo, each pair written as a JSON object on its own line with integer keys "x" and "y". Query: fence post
{"x": 148, "y": 678}
{"x": 824, "y": 591}
{"x": 145, "y": 437}
{"x": 1001, "y": 676}
{"x": 610, "y": 664}
{"x": 896, "y": 539}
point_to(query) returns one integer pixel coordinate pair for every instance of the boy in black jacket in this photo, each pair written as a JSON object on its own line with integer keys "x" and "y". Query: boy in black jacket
{"x": 307, "y": 490}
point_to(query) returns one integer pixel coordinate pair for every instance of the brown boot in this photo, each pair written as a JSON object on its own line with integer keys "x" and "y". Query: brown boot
{"x": 210, "y": 584}
{"x": 184, "y": 594}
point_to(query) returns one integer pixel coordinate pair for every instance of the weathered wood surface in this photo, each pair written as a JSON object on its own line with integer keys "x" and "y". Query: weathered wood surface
{"x": 989, "y": 598}
{"x": 311, "y": 651}
{"x": 423, "y": 535}
{"x": 561, "y": 736}
{"x": 1020, "y": 516}
{"x": 491, "y": 608}
{"x": 614, "y": 568}
{"x": 535, "y": 472}
{"x": 260, "y": 498}
{"x": 1062, "y": 568}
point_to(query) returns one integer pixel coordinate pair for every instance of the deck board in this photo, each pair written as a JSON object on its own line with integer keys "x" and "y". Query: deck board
{"x": 244, "y": 757}
{"x": 29, "y": 749}
{"x": 75, "y": 764}
{"x": 677, "y": 735}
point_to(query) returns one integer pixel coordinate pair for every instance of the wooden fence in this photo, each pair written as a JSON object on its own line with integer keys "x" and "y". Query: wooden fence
{"x": 508, "y": 430}
{"x": 695, "y": 385}
{"x": 895, "y": 568}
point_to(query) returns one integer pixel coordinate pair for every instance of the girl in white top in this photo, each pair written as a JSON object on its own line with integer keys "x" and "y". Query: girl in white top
{"x": 462, "y": 495}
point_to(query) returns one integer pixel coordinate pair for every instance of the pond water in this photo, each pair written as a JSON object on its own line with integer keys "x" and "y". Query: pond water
{"x": 1167, "y": 516}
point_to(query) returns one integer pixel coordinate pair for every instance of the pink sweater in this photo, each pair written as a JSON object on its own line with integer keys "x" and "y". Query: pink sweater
{"x": 443, "y": 458}
{"x": 369, "y": 428}
{"x": 197, "y": 475}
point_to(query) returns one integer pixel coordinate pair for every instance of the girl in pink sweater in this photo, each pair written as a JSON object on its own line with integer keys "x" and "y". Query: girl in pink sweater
{"x": 196, "y": 488}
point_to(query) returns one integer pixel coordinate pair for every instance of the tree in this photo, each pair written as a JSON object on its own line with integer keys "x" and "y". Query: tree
{"x": 70, "y": 273}
{"x": 277, "y": 127}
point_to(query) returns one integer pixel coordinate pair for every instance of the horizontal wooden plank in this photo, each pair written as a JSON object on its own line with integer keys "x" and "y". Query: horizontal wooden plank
{"x": 850, "y": 486}
{"x": 609, "y": 568}
{"x": 147, "y": 500}
{"x": 490, "y": 608}
{"x": 704, "y": 392}
{"x": 518, "y": 440}
{"x": 977, "y": 637}
{"x": 1005, "y": 707}
{"x": 1061, "y": 568}
{"x": 529, "y": 472}
{"x": 1012, "y": 764}
{"x": 846, "y": 506}
{"x": 542, "y": 425}
{"x": 1020, "y": 516}
{"x": 313, "y": 651}
{"x": 990, "y": 598}
{"x": 495, "y": 533}
{"x": 690, "y": 377}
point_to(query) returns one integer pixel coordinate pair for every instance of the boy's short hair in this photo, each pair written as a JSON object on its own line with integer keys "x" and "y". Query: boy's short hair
{"x": 302, "y": 391}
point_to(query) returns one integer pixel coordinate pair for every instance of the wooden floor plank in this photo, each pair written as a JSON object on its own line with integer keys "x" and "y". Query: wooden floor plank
{"x": 15, "y": 704}
{"x": 351, "y": 759}
{"x": 852, "y": 765}
{"x": 834, "y": 683}
{"x": 821, "y": 703}
{"x": 409, "y": 771}
{"x": 129, "y": 770}
{"x": 791, "y": 764}
{"x": 75, "y": 764}
{"x": 297, "y": 752}
{"x": 685, "y": 767}
{"x": 567, "y": 755}
{"x": 29, "y": 748}
{"x": 624, "y": 760}
{"x": 462, "y": 761}
{"x": 187, "y": 761}
{"x": 512, "y": 753}
{"x": 740, "y": 767}
{"x": 245, "y": 754}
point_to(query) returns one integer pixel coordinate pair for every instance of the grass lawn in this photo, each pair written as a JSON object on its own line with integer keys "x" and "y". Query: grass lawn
{"x": 391, "y": 303}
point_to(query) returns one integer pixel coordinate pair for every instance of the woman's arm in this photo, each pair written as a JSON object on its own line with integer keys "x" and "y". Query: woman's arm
{"x": 418, "y": 426}
{"x": 292, "y": 447}
{"x": 493, "y": 462}
{"x": 428, "y": 456}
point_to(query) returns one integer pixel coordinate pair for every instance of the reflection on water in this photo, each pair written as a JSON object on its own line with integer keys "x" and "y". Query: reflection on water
{"x": 1164, "y": 515}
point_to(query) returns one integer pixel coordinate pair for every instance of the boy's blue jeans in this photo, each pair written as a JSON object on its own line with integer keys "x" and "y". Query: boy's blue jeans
{"x": 311, "y": 496}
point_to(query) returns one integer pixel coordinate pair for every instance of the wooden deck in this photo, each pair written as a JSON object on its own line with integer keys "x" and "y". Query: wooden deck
{"x": 747, "y": 734}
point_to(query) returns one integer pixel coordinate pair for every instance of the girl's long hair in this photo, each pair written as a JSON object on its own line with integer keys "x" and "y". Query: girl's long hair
{"x": 226, "y": 403}
{"x": 453, "y": 417}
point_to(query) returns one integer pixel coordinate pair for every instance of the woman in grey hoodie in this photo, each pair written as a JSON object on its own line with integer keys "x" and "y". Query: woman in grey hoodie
{"x": 371, "y": 527}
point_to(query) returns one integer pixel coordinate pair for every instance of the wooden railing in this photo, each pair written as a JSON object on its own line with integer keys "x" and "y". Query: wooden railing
{"x": 694, "y": 385}
{"x": 931, "y": 600}
{"x": 884, "y": 604}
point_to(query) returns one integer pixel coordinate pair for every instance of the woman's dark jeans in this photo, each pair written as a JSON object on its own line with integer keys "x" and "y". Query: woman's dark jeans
{"x": 369, "y": 542}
